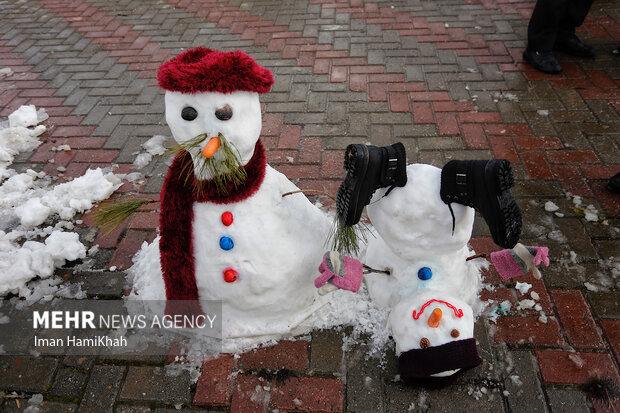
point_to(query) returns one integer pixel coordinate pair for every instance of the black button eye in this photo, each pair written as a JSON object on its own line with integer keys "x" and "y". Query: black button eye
{"x": 224, "y": 113}
{"x": 189, "y": 113}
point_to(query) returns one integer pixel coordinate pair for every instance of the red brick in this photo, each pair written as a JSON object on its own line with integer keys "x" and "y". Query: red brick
{"x": 429, "y": 96}
{"x": 567, "y": 156}
{"x": 422, "y": 112}
{"x": 497, "y": 48}
{"x": 508, "y": 130}
{"x": 407, "y": 87}
{"x": 600, "y": 79}
{"x": 338, "y": 74}
{"x": 249, "y": 394}
{"x": 599, "y": 171}
{"x": 304, "y": 394}
{"x": 452, "y": 45}
{"x": 447, "y": 124}
{"x": 290, "y": 52}
{"x": 609, "y": 200}
{"x": 491, "y": 276}
{"x": 536, "y": 165}
{"x": 480, "y": 117}
{"x": 357, "y": 82}
{"x": 536, "y": 75}
{"x": 483, "y": 245}
{"x": 571, "y": 180}
{"x": 538, "y": 142}
{"x": 376, "y": 92}
{"x": 291, "y": 355}
{"x": 571, "y": 84}
{"x": 503, "y": 148}
{"x": 572, "y": 70}
{"x": 310, "y": 151}
{"x": 213, "y": 386}
{"x": 85, "y": 143}
{"x": 92, "y": 155}
{"x": 275, "y": 156}
{"x": 474, "y": 136}
{"x": 299, "y": 171}
{"x": 399, "y": 102}
{"x": 321, "y": 66}
{"x": 612, "y": 332}
{"x": 453, "y": 106}
{"x": 144, "y": 220}
{"x": 290, "y": 136}
{"x": 576, "y": 318}
{"x": 498, "y": 295}
{"x": 122, "y": 257}
{"x": 565, "y": 367}
{"x": 272, "y": 124}
{"x": 332, "y": 164}
{"x": 528, "y": 330}
{"x": 600, "y": 93}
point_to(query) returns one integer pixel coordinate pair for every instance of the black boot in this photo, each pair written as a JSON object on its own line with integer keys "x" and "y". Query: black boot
{"x": 368, "y": 168}
{"x": 485, "y": 186}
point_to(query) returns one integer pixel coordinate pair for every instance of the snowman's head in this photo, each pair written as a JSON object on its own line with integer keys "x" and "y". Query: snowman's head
{"x": 433, "y": 334}
{"x": 212, "y": 99}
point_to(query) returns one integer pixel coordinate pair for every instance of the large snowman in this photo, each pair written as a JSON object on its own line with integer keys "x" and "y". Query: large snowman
{"x": 227, "y": 232}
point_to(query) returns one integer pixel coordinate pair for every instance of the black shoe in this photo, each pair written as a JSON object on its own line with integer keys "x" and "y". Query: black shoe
{"x": 614, "y": 183}
{"x": 543, "y": 61}
{"x": 485, "y": 186}
{"x": 368, "y": 168}
{"x": 573, "y": 46}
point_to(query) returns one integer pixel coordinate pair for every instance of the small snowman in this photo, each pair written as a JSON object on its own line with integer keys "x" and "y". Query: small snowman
{"x": 423, "y": 217}
{"x": 227, "y": 231}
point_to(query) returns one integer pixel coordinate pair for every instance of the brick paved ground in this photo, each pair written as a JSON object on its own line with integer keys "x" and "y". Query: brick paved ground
{"x": 445, "y": 77}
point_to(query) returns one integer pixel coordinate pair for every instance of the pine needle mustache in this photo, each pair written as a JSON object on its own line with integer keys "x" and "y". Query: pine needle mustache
{"x": 224, "y": 169}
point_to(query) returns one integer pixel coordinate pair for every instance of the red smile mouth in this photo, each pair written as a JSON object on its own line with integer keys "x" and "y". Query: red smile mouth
{"x": 457, "y": 311}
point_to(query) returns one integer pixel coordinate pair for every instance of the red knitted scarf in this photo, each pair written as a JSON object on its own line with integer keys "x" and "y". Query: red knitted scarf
{"x": 175, "y": 220}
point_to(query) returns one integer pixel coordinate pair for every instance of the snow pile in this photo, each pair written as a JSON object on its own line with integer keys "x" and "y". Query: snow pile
{"x": 18, "y": 136}
{"x": 28, "y": 200}
{"x": 551, "y": 207}
{"x": 153, "y": 147}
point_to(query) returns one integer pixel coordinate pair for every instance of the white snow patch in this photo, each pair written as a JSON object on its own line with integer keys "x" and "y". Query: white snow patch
{"x": 523, "y": 287}
{"x": 535, "y": 295}
{"x": 4, "y": 319}
{"x": 551, "y": 207}
{"x": 543, "y": 112}
{"x": 578, "y": 361}
{"x": 152, "y": 147}
{"x": 5, "y": 71}
{"x": 525, "y": 304}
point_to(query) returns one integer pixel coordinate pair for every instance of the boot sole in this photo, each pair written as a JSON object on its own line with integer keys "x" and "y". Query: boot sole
{"x": 506, "y": 229}
{"x": 348, "y": 198}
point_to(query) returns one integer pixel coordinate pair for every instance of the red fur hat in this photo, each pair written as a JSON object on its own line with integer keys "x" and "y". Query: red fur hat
{"x": 206, "y": 70}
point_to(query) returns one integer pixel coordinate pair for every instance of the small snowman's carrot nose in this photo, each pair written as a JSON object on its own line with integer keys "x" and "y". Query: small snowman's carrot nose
{"x": 435, "y": 318}
{"x": 211, "y": 147}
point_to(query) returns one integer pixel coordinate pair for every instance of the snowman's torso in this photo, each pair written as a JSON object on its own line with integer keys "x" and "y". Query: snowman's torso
{"x": 274, "y": 244}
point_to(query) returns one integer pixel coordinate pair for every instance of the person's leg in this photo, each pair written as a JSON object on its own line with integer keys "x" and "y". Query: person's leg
{"x": 566, "y": 40}
{"x": 573, "y": 17}
{"x": 545, "y": 23}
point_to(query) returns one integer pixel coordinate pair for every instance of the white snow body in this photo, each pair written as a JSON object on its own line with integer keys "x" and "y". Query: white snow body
{"x": 415, "y": 231}
{"x": 278, "y": 245}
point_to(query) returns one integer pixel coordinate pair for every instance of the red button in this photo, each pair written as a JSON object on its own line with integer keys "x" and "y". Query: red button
{"x": 227, "y": 218}
{"x": 230, "y": 275}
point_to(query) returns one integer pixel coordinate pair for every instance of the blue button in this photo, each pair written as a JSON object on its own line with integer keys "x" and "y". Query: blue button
{"x": 425, "y": 273}
{"x": 226, "y": 243}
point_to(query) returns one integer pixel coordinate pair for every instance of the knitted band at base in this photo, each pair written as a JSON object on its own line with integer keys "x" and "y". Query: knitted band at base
{"x": 421, "y": 363}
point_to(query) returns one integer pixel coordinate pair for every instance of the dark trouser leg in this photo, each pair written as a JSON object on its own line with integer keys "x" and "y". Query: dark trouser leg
{"x": 574, "y": 15}
{"x": 545, "y": 23}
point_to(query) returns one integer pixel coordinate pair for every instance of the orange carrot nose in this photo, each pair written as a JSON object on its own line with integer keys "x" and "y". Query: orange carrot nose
{"x": 211, "y": 147}
{"x": 435, "y": 318}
